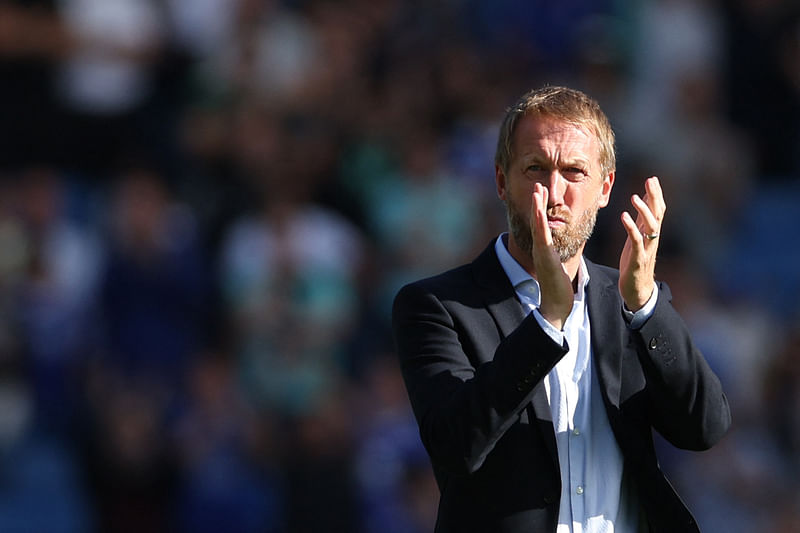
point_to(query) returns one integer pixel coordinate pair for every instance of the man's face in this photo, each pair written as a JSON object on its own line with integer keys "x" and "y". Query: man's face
{"x": 565, "y": 158}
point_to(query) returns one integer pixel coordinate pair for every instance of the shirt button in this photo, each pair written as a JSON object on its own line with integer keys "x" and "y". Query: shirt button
{"x": 576, "y": 432}
{"x": 579, "y": 490}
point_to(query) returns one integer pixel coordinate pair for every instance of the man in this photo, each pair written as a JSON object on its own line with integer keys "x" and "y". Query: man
{"x": 537, "y": 376}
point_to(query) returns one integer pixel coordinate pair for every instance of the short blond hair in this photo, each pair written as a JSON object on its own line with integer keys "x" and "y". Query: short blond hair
{"x": 563, "y": 103}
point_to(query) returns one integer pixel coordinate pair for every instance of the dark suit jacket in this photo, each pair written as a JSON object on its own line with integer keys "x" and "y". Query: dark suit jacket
{"x": 473, "y": 364}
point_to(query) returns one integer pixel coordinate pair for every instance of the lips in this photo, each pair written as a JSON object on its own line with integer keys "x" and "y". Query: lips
{"x": 557, "y": 219}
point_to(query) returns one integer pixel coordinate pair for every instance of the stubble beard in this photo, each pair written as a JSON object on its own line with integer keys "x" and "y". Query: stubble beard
{"x": 567, "y": 241}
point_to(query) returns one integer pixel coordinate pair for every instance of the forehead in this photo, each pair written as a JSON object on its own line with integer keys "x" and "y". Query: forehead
{"x": 543, "y": 135}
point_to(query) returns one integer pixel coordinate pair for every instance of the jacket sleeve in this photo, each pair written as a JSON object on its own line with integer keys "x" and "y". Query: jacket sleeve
{"x": 688, "y": 406}
{"x": 463, "y": 404}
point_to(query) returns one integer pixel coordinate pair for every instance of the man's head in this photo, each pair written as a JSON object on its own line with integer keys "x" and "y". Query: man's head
{"x": 560, "y": 138}
{"x": 567, "y": 105}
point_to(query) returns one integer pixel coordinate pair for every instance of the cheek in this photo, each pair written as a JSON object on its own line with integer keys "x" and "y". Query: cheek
{"x": 580, "y": 199}
{"x": 521, "y": 198}
{"x": 573, "y": 198}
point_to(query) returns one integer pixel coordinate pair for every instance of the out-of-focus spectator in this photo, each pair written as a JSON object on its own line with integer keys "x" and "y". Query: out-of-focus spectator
{"x": 202, "y": 27}
{"x": 676, "y": 123}
{"x": 290, "y": 270}
{"x": 30, "y": 43}
{"x": 106, "y": 71}
{"x": 129, "y": 466}
{"x": 706, "y": 164}
{"x": 675, "y": 37}
{"x": 418, "y": 213}
{"x": 396, "y": 489}
{"x": 318, "y": 464}
{"x": 272, "y": 52}
{"x": 533, "y": 31}
{"x": 57, "y": 302}
{"x": 763, "y": 58}
{"x": 156, "y": 287}
{"x": 290, "y": 280}
{"x": 782, "y": 398}
{"x": 228, "y": 479}
{"x": 106, "y": 78}
{"x": 42, "y": 487}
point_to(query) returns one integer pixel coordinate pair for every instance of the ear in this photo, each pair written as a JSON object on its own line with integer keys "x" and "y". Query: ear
{"x": 605, "y": 188}
{"x": 500, "y": 182}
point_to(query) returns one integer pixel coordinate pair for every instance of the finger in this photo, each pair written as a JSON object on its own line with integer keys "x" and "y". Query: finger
{"x": 535, "y": 201}
{"x": 655, "y": 197}
{"x": 539, "y": 215}
{"x": 632, "y": 229}
{"x": 647, "y": 221}
{"x": 548, "y": 236}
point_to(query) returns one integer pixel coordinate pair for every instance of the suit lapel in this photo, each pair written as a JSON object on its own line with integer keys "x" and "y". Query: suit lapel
{"x": 604, "y": 315}
{"x": 507, "y": 311}
{"x": 498, "y": 294}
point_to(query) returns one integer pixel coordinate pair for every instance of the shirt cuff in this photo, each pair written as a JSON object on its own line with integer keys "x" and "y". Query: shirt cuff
{"x": 637, "y": 319}
{"x": 554, "y": 333}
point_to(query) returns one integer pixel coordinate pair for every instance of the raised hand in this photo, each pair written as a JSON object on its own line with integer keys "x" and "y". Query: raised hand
{"x": 637, "y": 263}
{"x": 555, "y": 285}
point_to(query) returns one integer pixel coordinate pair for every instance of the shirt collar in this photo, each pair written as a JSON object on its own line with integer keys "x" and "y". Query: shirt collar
{"x": 518, "y": 275}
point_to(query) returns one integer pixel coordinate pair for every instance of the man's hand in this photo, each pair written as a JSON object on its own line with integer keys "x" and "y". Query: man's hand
{"x": 637, "y": 264}
{"x": 554, "y": 283}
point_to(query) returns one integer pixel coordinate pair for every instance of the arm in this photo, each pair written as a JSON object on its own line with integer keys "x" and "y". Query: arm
{"x": 465, "y": 397}
{"x": 687, "y": 404}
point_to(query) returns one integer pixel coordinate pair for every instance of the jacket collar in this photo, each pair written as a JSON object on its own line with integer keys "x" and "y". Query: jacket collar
{"x": 498, "y": 293}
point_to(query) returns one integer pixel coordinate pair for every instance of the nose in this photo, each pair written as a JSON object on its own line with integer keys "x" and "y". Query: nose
{"x": 556, "y": 187}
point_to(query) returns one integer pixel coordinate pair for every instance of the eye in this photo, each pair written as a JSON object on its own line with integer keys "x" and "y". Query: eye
{"x": 535, "y": 168}
{"x": 574, "y": 173}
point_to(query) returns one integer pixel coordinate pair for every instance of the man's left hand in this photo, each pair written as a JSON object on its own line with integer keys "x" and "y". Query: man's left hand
{"x": 637, "y": 264}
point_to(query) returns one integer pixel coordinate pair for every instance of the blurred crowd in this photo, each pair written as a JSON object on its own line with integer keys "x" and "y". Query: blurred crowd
{"x": 207, "y": 206}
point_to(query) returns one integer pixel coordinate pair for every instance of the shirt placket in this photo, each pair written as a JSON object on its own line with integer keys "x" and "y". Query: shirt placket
{"x": 570, "y": 381}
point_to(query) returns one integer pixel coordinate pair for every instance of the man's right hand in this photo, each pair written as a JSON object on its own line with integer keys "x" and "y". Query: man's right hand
{"x": 555, "y": 285}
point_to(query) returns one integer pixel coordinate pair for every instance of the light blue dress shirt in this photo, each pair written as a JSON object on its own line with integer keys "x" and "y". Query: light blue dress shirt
{"x": 590, "y": 461}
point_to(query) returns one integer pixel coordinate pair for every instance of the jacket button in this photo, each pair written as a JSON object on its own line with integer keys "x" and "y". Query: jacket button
{"x": 653, "y": 343}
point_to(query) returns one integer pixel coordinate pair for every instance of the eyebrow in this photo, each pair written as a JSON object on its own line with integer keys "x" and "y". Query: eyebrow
{"x": 538, "y": 159}
{"x": 575, "y": 163}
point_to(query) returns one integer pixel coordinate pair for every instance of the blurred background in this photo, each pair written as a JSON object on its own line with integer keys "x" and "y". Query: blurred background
{"x": 207, "y": 206}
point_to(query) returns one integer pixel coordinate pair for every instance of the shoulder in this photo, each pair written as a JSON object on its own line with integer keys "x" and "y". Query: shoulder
{"x": 465, "y": 286}
{"x": 454, "y": 283}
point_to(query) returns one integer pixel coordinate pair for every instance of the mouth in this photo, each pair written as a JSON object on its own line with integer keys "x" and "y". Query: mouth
{"x": 556, "y": 222}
